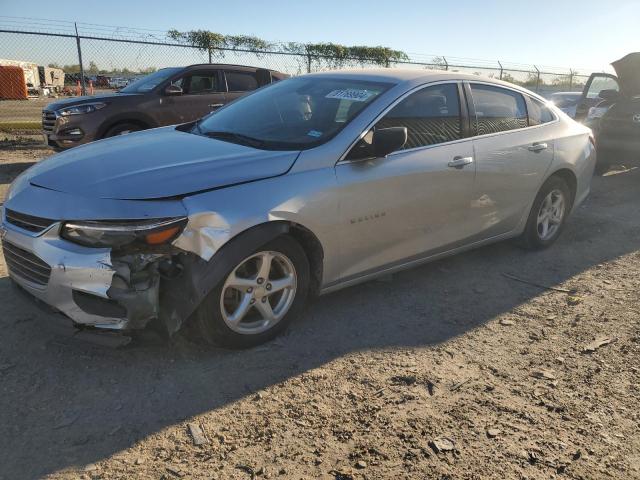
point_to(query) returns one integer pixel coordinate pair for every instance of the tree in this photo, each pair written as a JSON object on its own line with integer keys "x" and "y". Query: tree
{"x": 328, "y": 54}
{"x": 93, "y": 68}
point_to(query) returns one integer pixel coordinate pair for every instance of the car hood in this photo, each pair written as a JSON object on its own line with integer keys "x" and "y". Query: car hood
{"x": 628, "y": 71}
{"x": 154, "y": 164}
{"x": 67, "y": 102}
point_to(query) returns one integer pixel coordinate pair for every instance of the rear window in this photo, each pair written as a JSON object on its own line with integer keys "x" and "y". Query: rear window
{"x": 539, "y": 113}
{"x": 241, "y": 81}
{"x": 498, "y": 109}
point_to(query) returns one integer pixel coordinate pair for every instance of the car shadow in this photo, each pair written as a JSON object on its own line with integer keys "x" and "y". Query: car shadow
{"x": 67, "y": 403}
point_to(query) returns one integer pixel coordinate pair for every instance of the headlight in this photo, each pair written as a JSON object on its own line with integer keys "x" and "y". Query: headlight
{"x": 120, "y": 233}
{"x": 80, "y": 109}
{"x": 597, "y": 112}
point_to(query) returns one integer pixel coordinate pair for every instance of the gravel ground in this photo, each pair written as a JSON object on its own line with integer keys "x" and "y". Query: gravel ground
{"x": 454, "y": 370}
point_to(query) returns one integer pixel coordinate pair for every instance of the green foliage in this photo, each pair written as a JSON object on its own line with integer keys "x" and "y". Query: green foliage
{"x": 327, "y": 54}
{"x": 215, "y": 42}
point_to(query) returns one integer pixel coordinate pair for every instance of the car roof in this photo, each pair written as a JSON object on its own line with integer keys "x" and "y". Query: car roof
{"x": 227, "y": 65}
{"x": 415, "y": 77}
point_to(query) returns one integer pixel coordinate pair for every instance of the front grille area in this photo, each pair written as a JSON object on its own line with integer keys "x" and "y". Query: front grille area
{"x": 26, "y": 265}
{"x": 48, "y": 121}
{"x": 27, "y": 222}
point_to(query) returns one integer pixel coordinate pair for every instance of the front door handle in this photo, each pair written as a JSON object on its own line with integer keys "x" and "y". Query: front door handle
{"x": 538, "y": 147}
{"x": 216, "y": 105}
{"x": 460, "y": 162}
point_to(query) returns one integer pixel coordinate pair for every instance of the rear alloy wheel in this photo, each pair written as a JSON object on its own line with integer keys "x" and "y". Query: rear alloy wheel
{"x": 551, "y": 214}
{"x": 258, "y": 298}
{"x": 548, "y": 214}
{"x": 122, "y": 129}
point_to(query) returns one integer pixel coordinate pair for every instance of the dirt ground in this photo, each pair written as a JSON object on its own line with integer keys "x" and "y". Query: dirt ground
{"x": 453, "y": 370}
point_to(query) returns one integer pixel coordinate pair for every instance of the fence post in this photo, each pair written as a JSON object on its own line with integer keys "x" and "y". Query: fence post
{"x": 306, "y": 49}
{"x": 501, "y": 69}
{"x": 571, "y": 74}
{"x": 84, "y": 90}
{"x": 537, "y": 79}
{"x": 446, "y": 64}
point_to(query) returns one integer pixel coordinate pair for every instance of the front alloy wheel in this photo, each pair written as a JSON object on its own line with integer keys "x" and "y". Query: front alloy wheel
{"x": 258, "y": 293}
{"x": 257, "y": 298}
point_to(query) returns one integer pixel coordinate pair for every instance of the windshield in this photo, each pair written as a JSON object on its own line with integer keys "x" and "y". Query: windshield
{"x": 148, "y": 83}
{"x": 297, "y": 113}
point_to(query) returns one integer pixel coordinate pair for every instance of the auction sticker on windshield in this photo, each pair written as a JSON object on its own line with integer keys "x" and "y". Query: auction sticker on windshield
{"x": 352, "y": 94}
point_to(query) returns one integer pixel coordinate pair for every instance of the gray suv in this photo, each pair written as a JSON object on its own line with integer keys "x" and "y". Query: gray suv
{"x": 166, "y": 97}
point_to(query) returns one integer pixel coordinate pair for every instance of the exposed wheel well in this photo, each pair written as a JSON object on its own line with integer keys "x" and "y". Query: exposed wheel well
{"x": 570, "y": 179}
{"x": 315, "y": 253}
{"x": 143, "y": 125}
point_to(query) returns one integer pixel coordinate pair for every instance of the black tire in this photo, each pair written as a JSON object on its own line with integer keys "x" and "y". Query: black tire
{"x": 122, "y": 129}
{"x": 208, "y": 325}
{"x": 531, "y": 238}
{"x": 605, "y": 157}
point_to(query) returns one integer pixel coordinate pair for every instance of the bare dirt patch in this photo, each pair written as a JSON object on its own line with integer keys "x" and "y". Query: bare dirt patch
{"x": 447, "y": 371}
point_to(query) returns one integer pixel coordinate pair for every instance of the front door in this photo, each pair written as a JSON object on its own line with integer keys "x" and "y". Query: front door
{"x": 202, "y": 93}
{"x": 591, "y": 94}
{"x": 413, "y": 201}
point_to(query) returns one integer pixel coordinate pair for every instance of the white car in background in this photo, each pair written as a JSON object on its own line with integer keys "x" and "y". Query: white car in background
{"x": 566, "y": 101}
{"x": 118, "y": 82}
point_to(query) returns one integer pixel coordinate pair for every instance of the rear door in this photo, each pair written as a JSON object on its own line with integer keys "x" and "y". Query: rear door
{"x": 416, "y": 200}
{"x": 202, "y": 93}
{"x": 591, "y": 92}
{"x": 240, "y": 82}
{"x": 512, "y": 152}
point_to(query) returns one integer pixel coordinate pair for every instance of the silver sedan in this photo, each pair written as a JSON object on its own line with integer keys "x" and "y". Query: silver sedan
{"x": 231, "y": 224}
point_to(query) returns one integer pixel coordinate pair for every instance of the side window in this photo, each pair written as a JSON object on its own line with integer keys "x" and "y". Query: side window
{"x": 178, "y": 82}
{"x": 599, "y": 83}
{"x": 202, "y": 83}
{"x": 498, "y": 109}
{"x": 539, "y": 113}
{"x": 431, "y": 115}
{"x": 241, "y": 81}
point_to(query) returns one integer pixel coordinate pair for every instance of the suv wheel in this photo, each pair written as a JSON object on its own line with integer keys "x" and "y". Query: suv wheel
{"x": 122, "y": 129}
{"x": 258, "y": 298}
{"x": 548, "y": 214}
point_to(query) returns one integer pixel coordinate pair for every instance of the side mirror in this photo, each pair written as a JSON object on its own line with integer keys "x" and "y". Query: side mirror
{"x": 387, "y": 140}
{"x": 173, "y": 90}
{"x": 610, "y": 95}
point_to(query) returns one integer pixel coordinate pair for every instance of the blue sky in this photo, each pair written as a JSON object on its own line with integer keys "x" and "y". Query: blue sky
{"x": 560, "y": 33}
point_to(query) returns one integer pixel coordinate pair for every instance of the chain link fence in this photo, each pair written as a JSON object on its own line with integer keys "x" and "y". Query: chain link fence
{"x": 37, "y": 67}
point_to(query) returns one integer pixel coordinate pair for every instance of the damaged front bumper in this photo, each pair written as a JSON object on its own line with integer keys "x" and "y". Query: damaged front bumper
{"x": 92, "y": 286}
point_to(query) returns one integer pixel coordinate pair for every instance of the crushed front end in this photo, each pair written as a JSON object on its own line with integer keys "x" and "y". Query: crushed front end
{"x": 109, "y": 288}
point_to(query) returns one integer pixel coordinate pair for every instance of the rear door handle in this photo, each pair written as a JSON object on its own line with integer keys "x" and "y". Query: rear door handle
{"x": 460, "y": 162}
{"x": 216, "y": 105}
{"x": 538, "y": 147}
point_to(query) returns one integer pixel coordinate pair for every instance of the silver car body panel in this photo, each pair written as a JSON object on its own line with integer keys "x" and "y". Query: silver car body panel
{"x": 370, "y": 217}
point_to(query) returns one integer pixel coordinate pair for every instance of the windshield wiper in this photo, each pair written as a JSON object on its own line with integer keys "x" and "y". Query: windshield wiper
{"x": 235, "y": 138}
